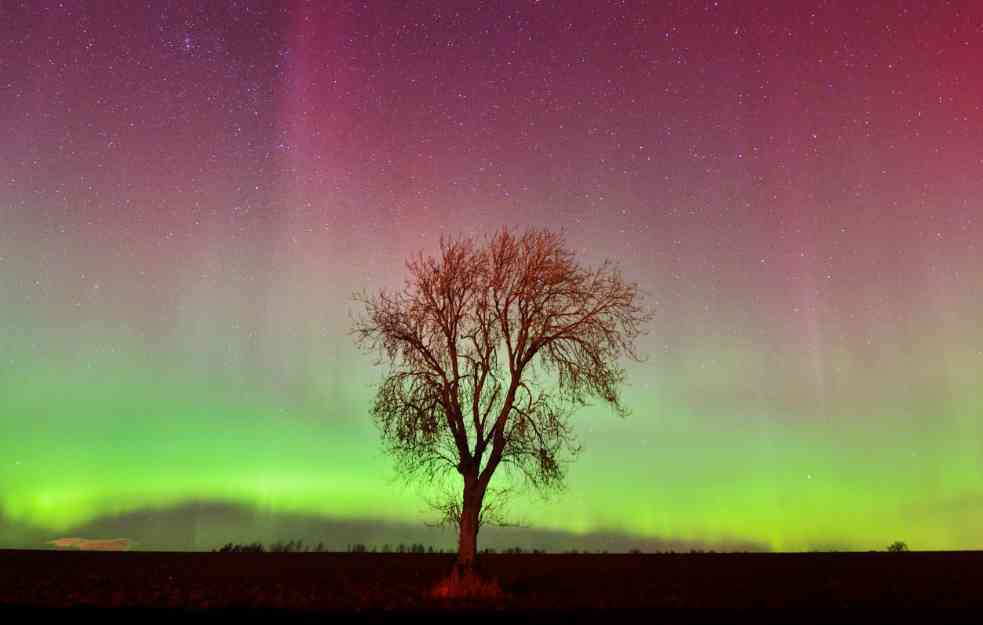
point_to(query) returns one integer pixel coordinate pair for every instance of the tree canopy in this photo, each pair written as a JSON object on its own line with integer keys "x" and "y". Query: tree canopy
{"x": 491, "y": 345}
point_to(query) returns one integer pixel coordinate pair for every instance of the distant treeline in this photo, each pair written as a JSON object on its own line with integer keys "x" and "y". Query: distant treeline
{"x": 298, "y": 546}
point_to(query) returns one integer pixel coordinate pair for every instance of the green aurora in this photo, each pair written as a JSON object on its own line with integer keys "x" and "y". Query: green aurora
{"x": 190, "y": 194}
{"x": 107, "y": 438}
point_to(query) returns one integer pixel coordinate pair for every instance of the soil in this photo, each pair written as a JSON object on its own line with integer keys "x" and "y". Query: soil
{"x": 755, "y": 587}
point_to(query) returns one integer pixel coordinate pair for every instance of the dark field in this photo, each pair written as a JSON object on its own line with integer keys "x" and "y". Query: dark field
{"x": 808, "y": 585}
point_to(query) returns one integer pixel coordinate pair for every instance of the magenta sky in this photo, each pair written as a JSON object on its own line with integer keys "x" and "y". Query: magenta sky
{"x": 191, "y": 190}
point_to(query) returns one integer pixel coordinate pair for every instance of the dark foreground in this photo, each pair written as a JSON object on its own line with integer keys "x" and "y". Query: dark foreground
{"x": 752, "y": 587}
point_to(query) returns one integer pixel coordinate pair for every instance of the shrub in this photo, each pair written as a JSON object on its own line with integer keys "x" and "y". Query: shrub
{"x": 291, "y": 546}
{"x": 897, "y": 547}
{"x": 237, "y": 548}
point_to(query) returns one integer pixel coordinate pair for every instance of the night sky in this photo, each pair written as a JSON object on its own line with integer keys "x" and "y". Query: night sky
{"x": 191, "y": 191}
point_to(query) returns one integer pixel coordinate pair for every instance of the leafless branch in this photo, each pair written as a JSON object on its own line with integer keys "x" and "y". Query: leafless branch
{"x": 491, "y": 345}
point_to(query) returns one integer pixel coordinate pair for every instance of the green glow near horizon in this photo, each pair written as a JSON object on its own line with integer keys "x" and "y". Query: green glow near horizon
{"x": 148, "y": 440}
{"x": 184, "y": 217}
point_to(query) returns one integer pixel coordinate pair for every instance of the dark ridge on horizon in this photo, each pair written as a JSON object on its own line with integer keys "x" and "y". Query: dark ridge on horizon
{"x": 207, "y": 525}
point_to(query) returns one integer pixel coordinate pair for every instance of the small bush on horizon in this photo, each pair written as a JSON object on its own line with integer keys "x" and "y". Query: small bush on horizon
{"x": 898, "y": 546}
{"x": 291, "y": 546}
{"x": 256, "y": 547}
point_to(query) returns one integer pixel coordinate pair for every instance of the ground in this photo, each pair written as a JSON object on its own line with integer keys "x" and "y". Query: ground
{"x": 653, "y": 584}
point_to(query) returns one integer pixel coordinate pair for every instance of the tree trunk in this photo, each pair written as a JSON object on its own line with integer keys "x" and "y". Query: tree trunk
{"x": 465, "y": 581}
{"x": 467, "y": 544}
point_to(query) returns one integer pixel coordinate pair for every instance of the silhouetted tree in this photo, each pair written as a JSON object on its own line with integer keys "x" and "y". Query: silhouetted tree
{"x": 491, "y": 346}
{"x": 897, "y": 547}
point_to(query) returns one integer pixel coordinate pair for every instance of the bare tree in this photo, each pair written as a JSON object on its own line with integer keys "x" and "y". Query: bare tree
{"x": 491, "y": 346}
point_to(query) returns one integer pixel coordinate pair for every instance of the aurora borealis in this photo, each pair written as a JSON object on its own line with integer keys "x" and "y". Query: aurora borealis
{"x": 191, "y": 191}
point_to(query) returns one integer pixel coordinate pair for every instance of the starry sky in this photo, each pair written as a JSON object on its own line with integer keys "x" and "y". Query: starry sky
{"x": 191, "y": 191}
